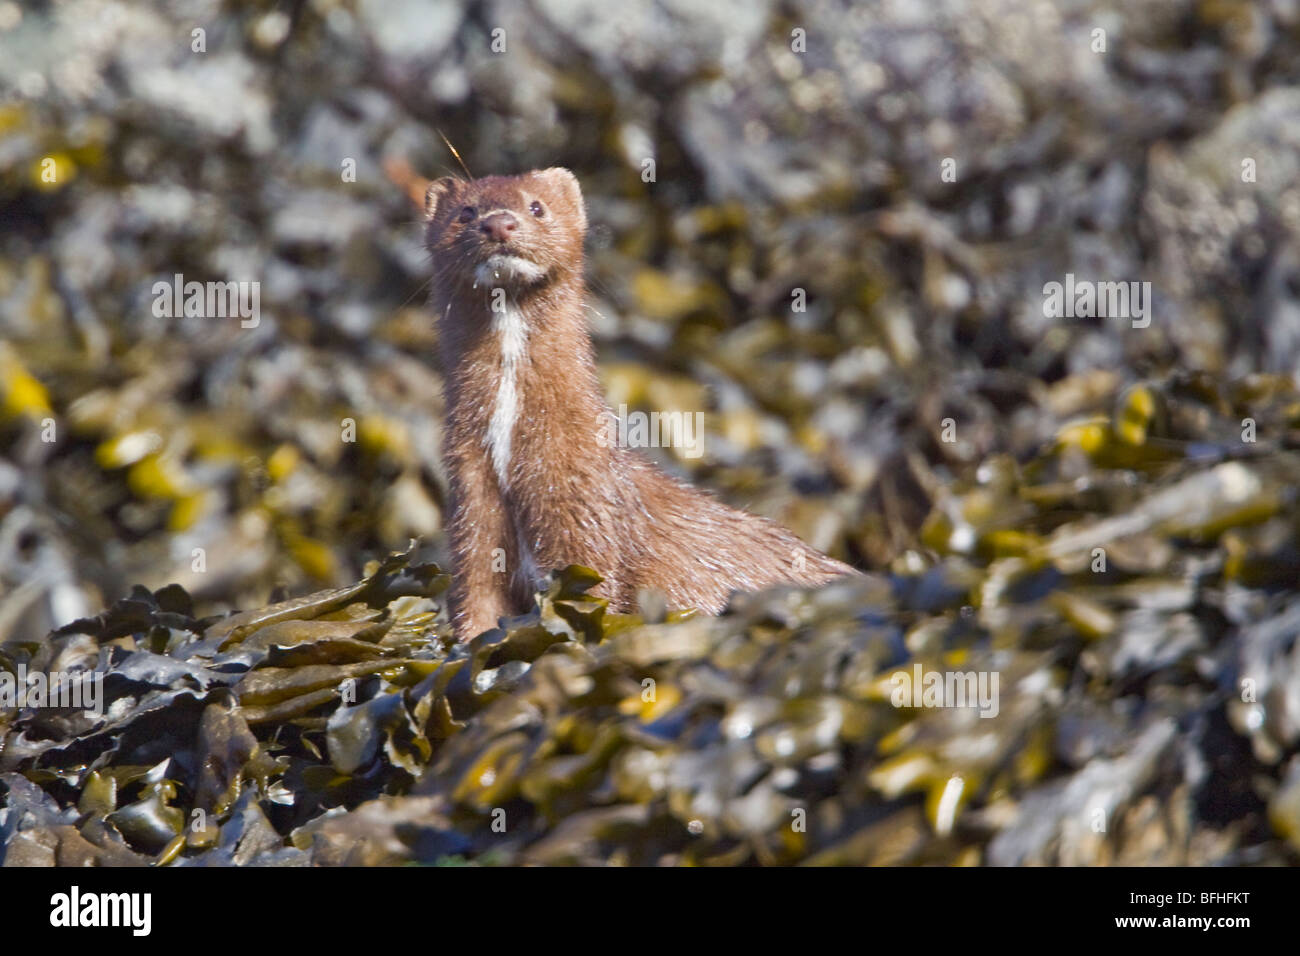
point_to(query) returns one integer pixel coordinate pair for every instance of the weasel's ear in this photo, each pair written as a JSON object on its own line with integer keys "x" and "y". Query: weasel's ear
{"x": 437, "y": 192}
{"x": 401, "y": 175}
{"x": 566, "y": 185}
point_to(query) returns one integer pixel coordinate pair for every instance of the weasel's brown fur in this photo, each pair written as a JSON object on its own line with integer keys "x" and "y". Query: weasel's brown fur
{"x": 532, "y": 481}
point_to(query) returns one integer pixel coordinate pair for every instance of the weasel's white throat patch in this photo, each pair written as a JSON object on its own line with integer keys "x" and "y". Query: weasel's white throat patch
{"x": 503, "y": 268}
{"x": 513, "y": 334}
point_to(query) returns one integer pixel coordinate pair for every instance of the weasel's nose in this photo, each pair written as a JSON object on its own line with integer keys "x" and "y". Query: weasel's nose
{"x": 499, "y": 226}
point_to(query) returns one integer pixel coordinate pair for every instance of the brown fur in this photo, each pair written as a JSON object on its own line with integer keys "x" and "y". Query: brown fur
{"x": 566, "y": 497}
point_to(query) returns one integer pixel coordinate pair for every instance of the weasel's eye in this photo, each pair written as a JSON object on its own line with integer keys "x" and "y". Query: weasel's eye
{"x": 467, "y": 214}
{"x": 537, "y": 209}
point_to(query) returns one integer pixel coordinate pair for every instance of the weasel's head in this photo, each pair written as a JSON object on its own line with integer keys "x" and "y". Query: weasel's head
{"x": 520, "y": 233}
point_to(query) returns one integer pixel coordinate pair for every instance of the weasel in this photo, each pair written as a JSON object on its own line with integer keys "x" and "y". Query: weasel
{"x": 534, "y": 483}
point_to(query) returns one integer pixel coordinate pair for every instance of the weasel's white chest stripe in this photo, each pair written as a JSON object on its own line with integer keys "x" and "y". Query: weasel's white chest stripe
{"x": 510, "y": 328}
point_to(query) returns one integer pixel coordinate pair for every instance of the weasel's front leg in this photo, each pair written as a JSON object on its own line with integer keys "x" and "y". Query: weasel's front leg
{"x": 480, "y": 591}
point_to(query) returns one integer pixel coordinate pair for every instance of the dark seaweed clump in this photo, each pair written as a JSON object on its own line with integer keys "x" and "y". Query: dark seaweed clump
{"x": 1132, "y": 587}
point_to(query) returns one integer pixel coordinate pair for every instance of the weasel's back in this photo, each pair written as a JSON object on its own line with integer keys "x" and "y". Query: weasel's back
{"x": 697, "y": 550}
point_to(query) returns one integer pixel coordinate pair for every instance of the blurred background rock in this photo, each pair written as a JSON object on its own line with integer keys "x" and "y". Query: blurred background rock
{"x": 775, "y": 171}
